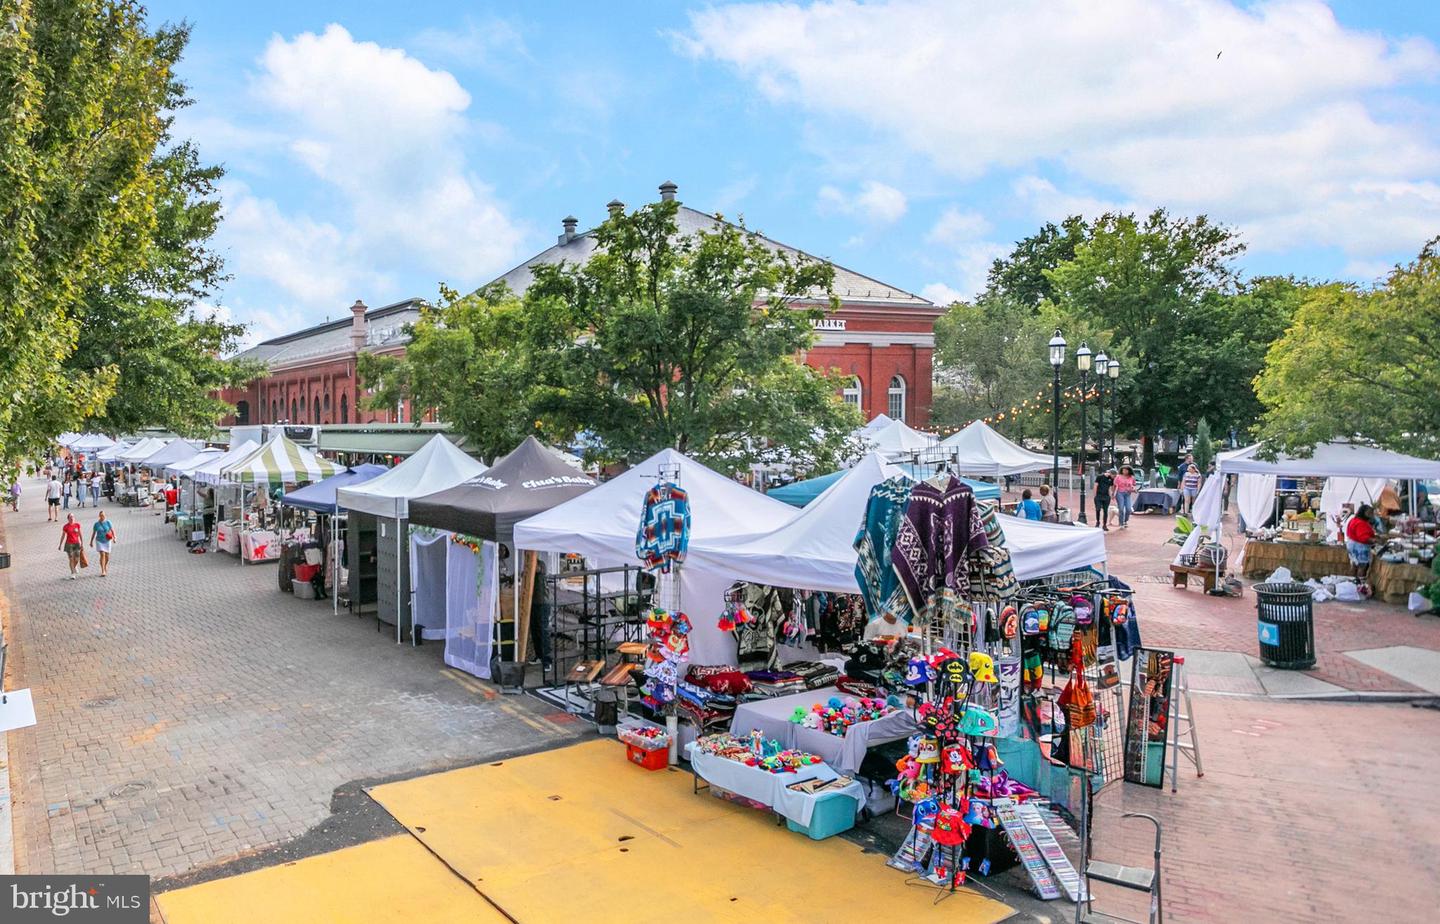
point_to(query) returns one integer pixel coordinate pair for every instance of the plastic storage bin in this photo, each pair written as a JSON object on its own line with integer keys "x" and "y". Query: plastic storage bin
{"x": 833, "y": 815}
{"x": 650, "y": 760}
{"x": 303, "y": 589}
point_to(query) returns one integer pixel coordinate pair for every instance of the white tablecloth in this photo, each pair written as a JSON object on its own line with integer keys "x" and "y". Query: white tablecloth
{"x": 772, "y": 718}
{"x": 772, "y": 789}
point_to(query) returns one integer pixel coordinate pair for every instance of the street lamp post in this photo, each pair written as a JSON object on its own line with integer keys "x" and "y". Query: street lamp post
{"x": 1114, "y": 407}
{"x": 1102, "y": 363}
{"x": 1082, "y": 362}
{"x": 1057, "y": 359}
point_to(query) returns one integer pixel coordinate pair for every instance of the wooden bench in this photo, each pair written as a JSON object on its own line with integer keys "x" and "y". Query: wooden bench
{"x": 1209, "y": 578}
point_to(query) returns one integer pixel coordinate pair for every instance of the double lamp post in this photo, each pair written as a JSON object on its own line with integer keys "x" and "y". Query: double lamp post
{"x": 1105, "y": 369}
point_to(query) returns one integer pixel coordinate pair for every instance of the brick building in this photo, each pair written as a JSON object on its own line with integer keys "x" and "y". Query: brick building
{"x": 881, "y": 337}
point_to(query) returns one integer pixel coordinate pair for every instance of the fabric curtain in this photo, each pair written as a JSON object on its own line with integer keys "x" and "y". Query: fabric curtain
{"x": 1341, "y": 491}
{"x": 1207, "y": 515}
{"x": 1255, "y": 499}
{"x": 472, "y": 593}
{"x": 427, "y": 581}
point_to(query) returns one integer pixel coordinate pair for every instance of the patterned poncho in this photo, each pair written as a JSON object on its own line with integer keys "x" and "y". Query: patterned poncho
{"x": 879, "y": 587}
{"x": 664, "y": 533}
{"x": 942, "y": 526}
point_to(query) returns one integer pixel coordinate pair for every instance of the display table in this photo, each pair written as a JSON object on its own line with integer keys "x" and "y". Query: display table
{"x": 227, "y": 537}
{"x": 260, "y": 545}
{"x": 1304, "y": 559}
{"x": 1392, "y": 581}
{"x": 1166, "y": 499}
{"x": 772, "y": 789}
{"x": 772, "y": 718}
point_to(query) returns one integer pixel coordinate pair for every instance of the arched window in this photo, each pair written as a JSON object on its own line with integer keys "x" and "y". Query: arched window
{"x": 853, "y": 393}
{"x": 327, "y": 402}
{"x": 344, "y": 409}
{"x": 294, "y": 411}
{"x": 315, "y": 408}
{"x": 274, "y": 412}
{"x": 897, "y": 398}
{"x": 242, "y": 413}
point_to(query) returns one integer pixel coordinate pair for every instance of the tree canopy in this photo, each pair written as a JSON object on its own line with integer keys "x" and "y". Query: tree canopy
{"x": 1358, "y": 363}
{"x": 658, "y": 340}
{"x": 87, "y": 92}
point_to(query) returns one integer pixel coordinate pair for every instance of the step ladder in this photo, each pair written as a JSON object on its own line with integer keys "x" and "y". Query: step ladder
{"x": 1134, "y": 878}
{"x": 1177, "y": 718}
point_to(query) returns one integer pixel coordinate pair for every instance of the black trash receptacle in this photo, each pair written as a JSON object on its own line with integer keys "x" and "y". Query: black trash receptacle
{"x": 1286, "y": 625}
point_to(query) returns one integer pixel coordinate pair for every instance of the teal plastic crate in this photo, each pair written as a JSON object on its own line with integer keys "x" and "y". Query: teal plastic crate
{"x": 834, "y": 814}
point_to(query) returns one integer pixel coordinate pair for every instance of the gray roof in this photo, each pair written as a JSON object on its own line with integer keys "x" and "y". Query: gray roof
{"x": 384, "y": 327}
{"x": 850, "y": 287}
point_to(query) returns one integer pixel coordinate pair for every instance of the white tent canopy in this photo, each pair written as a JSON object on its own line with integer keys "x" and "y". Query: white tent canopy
{"x": 280, "y": 461}
{"x": 187, "y": 465}
{"x": 895, "y": 438}
{"x": 1337, "y": 458}
{"x": 88, "y": 441}
{"x": 980, "y": 450}
{"x": 880, "y": 422}
{"x": 112, "y": 453}
{"x": 815, "y": 550}
{"x": 142, "y": 450}
{"x": 209, "y": 472}
{"x": 173, "y": 451}
{"x": 438, "y": 465}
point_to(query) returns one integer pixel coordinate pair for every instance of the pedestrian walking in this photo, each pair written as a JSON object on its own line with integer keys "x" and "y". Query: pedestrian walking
{"x": 68, "y": 489}
{"x": 102, "y": 537}
{"x": 1190, "y": 481}
{"x": 1048, "y": 509}
{"x": 1125, "y": 495}
{"x": 95, "y": 488}
{"x": 15, "y": 492}
{"x": 82, "y": 489}
{"x": 71, "y": 544}
{"x": 1104, "y": 482}
{"x": 53, "y": 491}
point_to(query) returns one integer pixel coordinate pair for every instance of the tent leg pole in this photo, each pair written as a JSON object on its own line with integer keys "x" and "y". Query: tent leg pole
{"x": 522, "y": 614}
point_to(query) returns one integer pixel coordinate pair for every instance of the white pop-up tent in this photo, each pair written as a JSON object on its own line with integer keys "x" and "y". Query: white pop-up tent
{"x": 209, "y": 472}
{"x": 815, "y": 550}
{"x": 112, "y": 453}
{"x": 438, "y": 465}
{"x": 980, "y": 450}
{"x": 86, "y": 442}
{"x": 880, "y": 422}
{"x": 173, "y": 451}
{"x": 1340, "y": 458}
{"x": 142, "y": 450}
{"x": 895, "y": 439}
{"x": 185, "y": 466}
{"x": 602, "y": 523}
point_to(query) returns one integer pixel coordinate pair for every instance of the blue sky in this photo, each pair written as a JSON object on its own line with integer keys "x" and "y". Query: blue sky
{"x": 375, "y": 150}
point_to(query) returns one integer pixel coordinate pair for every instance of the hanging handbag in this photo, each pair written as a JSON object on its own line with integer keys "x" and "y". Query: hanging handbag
{"x": 1076, "y": 699}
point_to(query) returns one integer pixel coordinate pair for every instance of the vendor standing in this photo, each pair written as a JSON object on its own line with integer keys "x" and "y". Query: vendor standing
{"x": 1359, "y": 534}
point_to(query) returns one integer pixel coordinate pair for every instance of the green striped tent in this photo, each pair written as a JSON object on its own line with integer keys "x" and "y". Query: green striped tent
{"x": 279, "y": 461}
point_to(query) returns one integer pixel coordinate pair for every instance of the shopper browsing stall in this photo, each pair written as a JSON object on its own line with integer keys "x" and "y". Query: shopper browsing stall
{"x": 1359, "y": 534}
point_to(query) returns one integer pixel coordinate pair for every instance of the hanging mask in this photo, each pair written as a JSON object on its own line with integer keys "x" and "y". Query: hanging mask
{"x": 982, "y": 667}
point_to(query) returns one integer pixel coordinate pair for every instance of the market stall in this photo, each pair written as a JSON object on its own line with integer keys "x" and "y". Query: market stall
{"x": 895, "y": 439}
{"x": 279, "y": 462}
{"x": 476, "y": 516}
{"x": 189, "y": 519}
{"x": 383, "y": 504}
{"x": 326, "y": 537}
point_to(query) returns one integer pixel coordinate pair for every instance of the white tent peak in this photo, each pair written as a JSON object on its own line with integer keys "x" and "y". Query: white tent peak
{"x": 1343, "y": 458}
{"x": 437, "y": 465}
{"x": 980, "y": 450}
{"x": 895, "y": 438}
{"x": 209, "y": 472}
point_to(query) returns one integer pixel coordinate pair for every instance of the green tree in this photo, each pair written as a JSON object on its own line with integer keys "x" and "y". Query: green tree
{"x": 85, "y": 95}
{"x": 1204, "y": 449}
{"x": 1022, "y": 275}
{"x": 1359, "y": 363}
{"x": 166, "y": 357}
{"x": 1142, "y": 279}
{"x": 659, "y": 339}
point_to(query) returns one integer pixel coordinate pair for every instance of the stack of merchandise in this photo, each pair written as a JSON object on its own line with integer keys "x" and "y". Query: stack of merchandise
{"x": 836, "y": 715}
{"x": 708, "y": 695}
{"x": 775, "y": 682}
{"x": 756, "y": 751}
{"x": 645, "y": 737}
{"x": 815, "y": 674}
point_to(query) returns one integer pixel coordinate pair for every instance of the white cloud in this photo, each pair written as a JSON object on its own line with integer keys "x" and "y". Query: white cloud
{"x": 963, "y": 234}
{"x": 874, "y": 202}
{"x": 956, "y": 227}
{"x": 1265, "y": 115}
{"x": 941, "y": 294}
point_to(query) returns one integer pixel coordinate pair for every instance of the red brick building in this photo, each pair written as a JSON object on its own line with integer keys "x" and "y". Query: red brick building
{"x": 882, "y": 337}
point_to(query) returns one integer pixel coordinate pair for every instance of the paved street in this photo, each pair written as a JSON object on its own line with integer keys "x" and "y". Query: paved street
{"x": 189, "y": 712}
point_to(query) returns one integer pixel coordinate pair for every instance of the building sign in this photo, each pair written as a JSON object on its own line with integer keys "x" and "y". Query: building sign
{"x": 829, "y": 324}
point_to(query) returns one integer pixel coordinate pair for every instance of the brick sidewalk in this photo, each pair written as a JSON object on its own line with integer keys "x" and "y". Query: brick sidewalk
{"x": 189, "y": 712}
{"x": 1175, "y": 618}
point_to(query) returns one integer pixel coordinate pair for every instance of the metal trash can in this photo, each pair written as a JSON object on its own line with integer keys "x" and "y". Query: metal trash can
{"x": 1286, "y": 625}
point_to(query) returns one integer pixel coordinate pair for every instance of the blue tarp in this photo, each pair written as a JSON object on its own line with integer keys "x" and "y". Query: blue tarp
{"x": 801, "y": 493}
{"x": 320, "y": 496}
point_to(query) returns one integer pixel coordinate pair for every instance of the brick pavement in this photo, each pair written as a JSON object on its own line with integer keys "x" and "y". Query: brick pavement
{"x": 1175, "y": 618}
{"x": 189, "y": 712}
{"x": 1308, "y": 812}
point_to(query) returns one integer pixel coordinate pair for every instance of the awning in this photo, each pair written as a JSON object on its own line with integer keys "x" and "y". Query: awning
{"x": 1337, "y": 458}
{"x": 320, "y": 496}
{"x": 438, "y": 465}
{"x": 280, "y": 461}
{"x": 399, "y": 442}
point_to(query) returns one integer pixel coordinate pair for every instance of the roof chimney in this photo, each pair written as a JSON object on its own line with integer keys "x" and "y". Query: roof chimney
{"x": 569, "y": 222}
{"x": 668, "y": 189}
{"x": 616, "y": 207}
{"x": 357, "y": 325}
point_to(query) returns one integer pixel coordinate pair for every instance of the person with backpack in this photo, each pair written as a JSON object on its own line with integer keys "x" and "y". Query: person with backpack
{"x": 102, "y": 536}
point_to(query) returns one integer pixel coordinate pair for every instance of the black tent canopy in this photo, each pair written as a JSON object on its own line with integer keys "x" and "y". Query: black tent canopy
{"x": 529, "y": 480}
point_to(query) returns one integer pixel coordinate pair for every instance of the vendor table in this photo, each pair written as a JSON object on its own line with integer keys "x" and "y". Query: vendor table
{"x": 772, "y": 718}
{"x": 1304, "y": 559}
{"x": 227, "y": 537}
{"x": 1167, "y": 499}
{"x": 1392, "y": 581}
{"x": 772, "y": 789}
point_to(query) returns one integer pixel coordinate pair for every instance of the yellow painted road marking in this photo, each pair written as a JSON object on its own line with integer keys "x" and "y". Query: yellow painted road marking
{"x": 474, "y": 685}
